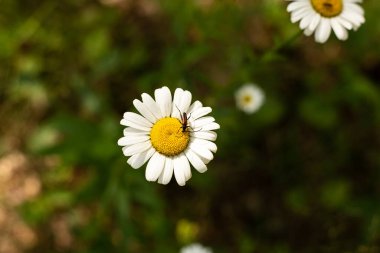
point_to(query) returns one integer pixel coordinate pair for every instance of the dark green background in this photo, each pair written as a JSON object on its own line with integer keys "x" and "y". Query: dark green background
{"x": 300, "y": 175}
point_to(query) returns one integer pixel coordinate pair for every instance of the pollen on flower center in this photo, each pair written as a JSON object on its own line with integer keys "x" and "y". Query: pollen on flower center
{"x": 167, "y": 137}
{"x": 328, "y": 8}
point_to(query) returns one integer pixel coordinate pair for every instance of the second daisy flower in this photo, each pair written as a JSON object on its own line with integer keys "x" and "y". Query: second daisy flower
{"x": 322, "y": 16}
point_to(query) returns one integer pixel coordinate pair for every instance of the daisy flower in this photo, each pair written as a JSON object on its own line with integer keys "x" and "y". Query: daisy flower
{"x": 322, "y": 16}
{"x": 171, "y": 134}
{"x": 249, "y": 98}
{"x": 195, "y": 248}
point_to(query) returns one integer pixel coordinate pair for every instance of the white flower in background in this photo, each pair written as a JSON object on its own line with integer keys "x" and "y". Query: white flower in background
{"x": 161, "y": 136}
{"x": 249, "y": 98}
{"x": 195, "y": 248}
{"x": 322, "y": 16}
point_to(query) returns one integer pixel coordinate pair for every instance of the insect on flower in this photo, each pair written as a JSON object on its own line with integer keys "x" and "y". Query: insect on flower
{"x": 184, "y": 121}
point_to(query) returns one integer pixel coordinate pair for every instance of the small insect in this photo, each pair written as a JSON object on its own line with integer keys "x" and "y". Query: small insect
{"x": 184, "y": 121}
{"x": 328, "y": 6}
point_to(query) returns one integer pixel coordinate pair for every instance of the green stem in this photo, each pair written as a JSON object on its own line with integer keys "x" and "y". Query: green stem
{"x": 270, "y": 54}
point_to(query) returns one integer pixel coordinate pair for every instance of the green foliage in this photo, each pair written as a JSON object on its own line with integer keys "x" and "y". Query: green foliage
{"x": 300, "y": 175}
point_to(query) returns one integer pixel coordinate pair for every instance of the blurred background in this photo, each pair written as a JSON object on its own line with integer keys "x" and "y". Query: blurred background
{"x": 300, "y": 175}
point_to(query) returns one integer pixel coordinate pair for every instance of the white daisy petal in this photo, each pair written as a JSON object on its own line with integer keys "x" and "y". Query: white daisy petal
{"x": 137, "y": 119}
{"x": 138, "y": 160}
{"x": 136, "y": 148}
{"x": 354, "y": 8}
{"x": 194, "y": 159}
{"x": 143, "y": 109}
{"x": 323, "y": 31}
{"x": 354, "y": 18}
{"x": 308, "y": 32}
{"x": 300, "y": 14}
{"x": 176, "y": 111}
{"x": 194, "y": 106}
{"x": 201, "y": 151}
{"x": 179, "y": 171}
{"x": 200, "y": 112}
{"x": 314, "y": 22}
{"x": 167, "y": 173}
{"x": 207, "y": 144}
{"x": 306, "y": 21}
{"x": 124, "y": 122}
{"x": 339, "y": 30}
{"x": 296, "y": 5}
{"x": 199, "y": 123}
{"x": 152, "y": 105}
{"x": 346, "y": 24}
{"x": 206, "y": 135}
{"x": 185, "y": 101}
{"x": 208, "y": 127}
{"x": 130, "y": 131}
{"x": 204, "y": 160}
{"x": 164, "y": 100}
{"x": 155, "y": 166}
{"x": 185, "y": 166}
{"x": 130, "y": 140}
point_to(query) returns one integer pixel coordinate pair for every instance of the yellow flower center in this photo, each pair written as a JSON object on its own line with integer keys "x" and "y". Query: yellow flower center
{"x": 328, "y": 8}
{"x": 247, "y": 99}
{"x": 167, "y": 137}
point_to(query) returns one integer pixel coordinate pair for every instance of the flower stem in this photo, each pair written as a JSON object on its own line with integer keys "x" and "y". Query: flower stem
{"x": 268, "y": 56}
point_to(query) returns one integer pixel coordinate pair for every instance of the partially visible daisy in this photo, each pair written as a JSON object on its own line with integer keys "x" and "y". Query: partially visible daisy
{"x": 186, "y": 231}
{"x": 322, "y": 16}
{"x": 195, "y": 248}
{"x": 160, "y": 135}
{"x": 249, "y": 98}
